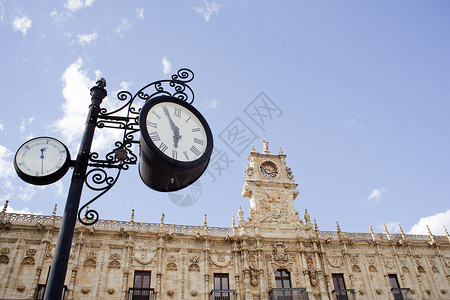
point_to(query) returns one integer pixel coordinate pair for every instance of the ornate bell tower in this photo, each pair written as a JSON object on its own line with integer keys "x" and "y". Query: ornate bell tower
{"x": 269, "y": 185}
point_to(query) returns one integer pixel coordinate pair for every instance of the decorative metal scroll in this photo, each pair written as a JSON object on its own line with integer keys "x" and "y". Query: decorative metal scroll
{"x": 126, "y": 118}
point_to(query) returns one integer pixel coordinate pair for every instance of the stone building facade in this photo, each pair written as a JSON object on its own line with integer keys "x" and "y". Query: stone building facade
{"x": 274, "y": 254}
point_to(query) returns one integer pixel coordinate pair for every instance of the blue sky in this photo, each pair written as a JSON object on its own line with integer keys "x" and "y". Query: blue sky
{"x": 361, "y": 89}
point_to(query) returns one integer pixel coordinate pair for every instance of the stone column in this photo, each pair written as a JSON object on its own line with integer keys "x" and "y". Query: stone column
{"x": 126, "y": 267}
{"x": 323, "y": 290}
{"x": 13, "y": 270}
{"x": 76, "y": 263}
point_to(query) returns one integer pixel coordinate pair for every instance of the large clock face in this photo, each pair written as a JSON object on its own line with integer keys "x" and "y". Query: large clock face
{"x": 176, "y": 131}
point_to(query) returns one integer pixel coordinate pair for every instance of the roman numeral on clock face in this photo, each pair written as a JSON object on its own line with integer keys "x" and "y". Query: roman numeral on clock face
{"x": 195, "y": 151}
{"x": 198, "y": 141}
{"x": 151, "y": 124}
{"x": 154, "y": 136}
{"x": 177, "y": 112}
{"x": 163, "y": 147}
{"x": 195, "y": 129}
{"x": 174, "y": 154}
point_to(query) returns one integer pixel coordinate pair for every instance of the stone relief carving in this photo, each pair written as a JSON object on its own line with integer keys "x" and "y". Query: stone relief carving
{"x": 29, "y": 260}
{"x": 220, "y": 259}
{"x": 405, "y": 269}
{"x": 249, "y": 171}
{"x": 194, "y": 268}
{"x": 335, "y": 262}
{"x": 114, "y": 256}
{"x": 143, "y": 259}
{"x": 254, "y": 276}
{"x": 356, "y": 268}
{"x": 171, "y": 267}
{"x": 273, "y": 208}
{"x": 279, "y": 252}
{"x": 289, "y": 173}
{"x": 389, "y": 263}
{"x": 372, "y": 268}
{"x": 4, "y": 259}
{"x": 30, "y": 252}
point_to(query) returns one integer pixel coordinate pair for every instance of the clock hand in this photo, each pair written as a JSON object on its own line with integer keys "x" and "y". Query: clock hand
{"x": 176, "y": 130}
{"x": 42, "y": 160}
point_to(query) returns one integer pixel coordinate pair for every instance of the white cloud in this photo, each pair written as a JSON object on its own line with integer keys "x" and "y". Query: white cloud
{"x": 85, "y": 39}
{"x": 2, "y": 12}
{"x": 376, "y": 195}
{"x": 354, "y": 123}
{"x": 208, "y": 10}
{"x": 76, "y": 92}
{"x": 24, "y": 210}
{"x": 212, "y": 103}
{"x": 24, "y": 124}
{"x": 1, "y": 127}
{"x": 435, "y": 222}
{"x": 6, "y": 163}
{"x": 140, "y": 13}
{"x": 167, "y": 66}
{"x": 21, "y": 24}
{"x": 124, "y": 25}
{"x": 392, "y": 227}
{"x": 74, "y": 5}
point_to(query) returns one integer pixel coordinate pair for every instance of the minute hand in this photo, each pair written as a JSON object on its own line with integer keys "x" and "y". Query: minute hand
{"x": 176, "y": 130}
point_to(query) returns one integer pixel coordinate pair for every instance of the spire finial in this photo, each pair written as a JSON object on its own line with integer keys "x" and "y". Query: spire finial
{"x": 54, "y": 210}
{"x": 338, "y": 227}
{"x": 446, "y": 233}
{"x": 281, "y": 151}
{"x": 162, "y": 218}
{"x": 401, "y": 232}
{"x": 307, "y": 216}
{"x": 266, "y": 146}
{"x": 233, "y": 222}
{"x": 371, "y": 232}
{"x": 205, "y": 221}
{"x": 433, "y": 239}
{"x": 5, "y": 206}
{"x": 240, "y": 214}
{"x": 386, "y": 232}
{"x": 316, "y": 227}
{"x": 253, "y": 148}
{"x": 132, "y": 215}
{"x": 339, "y": 230}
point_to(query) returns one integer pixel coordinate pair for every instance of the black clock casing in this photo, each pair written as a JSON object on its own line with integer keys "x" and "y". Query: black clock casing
{"x": 157, "y": 168}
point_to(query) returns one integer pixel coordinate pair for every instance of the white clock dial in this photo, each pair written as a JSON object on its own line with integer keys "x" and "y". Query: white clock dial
{"x": 176, "y": 131}
{"x": 41, "y": 157}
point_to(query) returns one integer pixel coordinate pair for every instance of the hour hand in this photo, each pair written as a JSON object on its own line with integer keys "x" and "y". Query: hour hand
{"x": 176, "y": 130}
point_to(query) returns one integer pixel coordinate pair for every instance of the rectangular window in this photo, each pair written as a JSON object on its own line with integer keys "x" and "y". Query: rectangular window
{"x": 282, "y": 279}
{"x": 221, "y": 287}
{"x": 339, "y": 286}
{"x": 395, "y": 287}
{"x": 141, "y": 285}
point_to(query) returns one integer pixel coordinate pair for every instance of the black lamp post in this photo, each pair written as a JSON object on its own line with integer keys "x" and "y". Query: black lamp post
{"x": 61, "y": 257}
{"x": 93, "y": 171}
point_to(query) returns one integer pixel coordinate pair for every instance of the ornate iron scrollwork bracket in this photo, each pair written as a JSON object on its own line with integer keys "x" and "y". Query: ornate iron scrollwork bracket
{"x": 126, "y": 118}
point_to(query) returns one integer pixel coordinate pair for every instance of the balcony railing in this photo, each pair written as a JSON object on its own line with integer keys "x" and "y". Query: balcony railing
{"x": 288, "y": 294}
{"x": 40, "y": 290}
{"x": 222, "y": 295}
{"x": 141, "y": 294}
{"x": 402, "y": 294}
{"x": 344, "y": 294}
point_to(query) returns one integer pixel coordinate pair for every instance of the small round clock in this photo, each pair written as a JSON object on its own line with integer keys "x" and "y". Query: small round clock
{"x": 176, "y": 143}
{"x": 42, "y": 160}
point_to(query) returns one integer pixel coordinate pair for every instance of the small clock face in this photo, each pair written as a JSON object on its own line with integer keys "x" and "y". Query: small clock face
{"x": 42, "y": 160}
{"x": 176, "y": 131}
